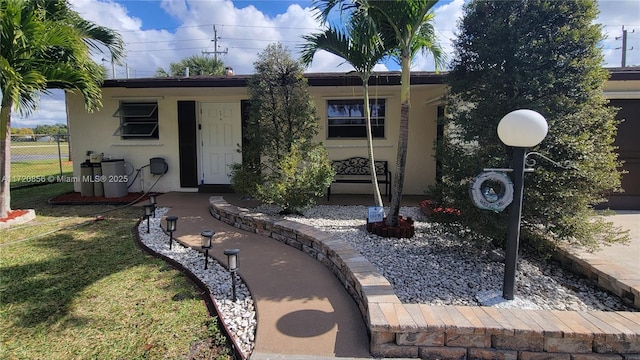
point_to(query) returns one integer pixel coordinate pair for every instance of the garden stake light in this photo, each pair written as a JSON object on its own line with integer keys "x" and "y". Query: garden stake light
{"x": 153, "y": 201}
{"x": 171, "y": 227}
{"x": 232, "y": 261}
{"x": 148, "y": 210}
{"x": 205, "y": 238}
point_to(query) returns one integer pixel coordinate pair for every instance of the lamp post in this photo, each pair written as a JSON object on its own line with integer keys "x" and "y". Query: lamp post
{"x": 232, "y": 266}
{"x": 205, "y": 238}
{"x": 153, "y": 201}
{"x": 148, "y": 210}
{"x": 519, "y": 129}
{"x": 171, "y": 227}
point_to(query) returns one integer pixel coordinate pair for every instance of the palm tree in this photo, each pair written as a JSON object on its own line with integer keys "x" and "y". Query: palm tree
{"x": 406, "y": 27}
{"x": 361, "y": 47}
{"x": 43, "y": 45}
{"x": 198, "y": 65}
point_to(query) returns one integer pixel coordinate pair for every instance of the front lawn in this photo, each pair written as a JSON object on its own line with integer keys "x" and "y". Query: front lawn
{"x": 87, "y": 291}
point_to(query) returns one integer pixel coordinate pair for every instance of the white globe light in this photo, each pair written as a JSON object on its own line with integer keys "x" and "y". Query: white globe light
{"x": 522, "y": 128}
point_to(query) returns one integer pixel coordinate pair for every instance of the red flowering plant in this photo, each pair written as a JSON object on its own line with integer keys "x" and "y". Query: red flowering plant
{"x": 438, "y": 213}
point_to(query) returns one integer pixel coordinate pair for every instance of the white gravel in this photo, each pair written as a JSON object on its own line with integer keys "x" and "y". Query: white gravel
{"x": 433, "y": 268}
{"x": 239, "y": 315}
{"x": 439, "y": 269}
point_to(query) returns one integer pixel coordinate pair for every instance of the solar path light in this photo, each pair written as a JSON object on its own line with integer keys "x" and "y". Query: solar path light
{"x": 205, "y": 238}
{"x": 153, "y": 200}
{"x": 148, "y": 210}
{"x": 171, "y": 227}
{"x": 232, "y": 266}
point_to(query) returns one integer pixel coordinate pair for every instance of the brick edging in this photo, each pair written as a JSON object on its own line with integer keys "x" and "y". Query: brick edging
{"x": 447, "y": 332}
{"x": 599, "y": 271}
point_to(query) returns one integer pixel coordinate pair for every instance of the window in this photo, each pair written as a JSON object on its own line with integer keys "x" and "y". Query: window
{"x": 346, "y": 118}
{"x": 138, "y": 120}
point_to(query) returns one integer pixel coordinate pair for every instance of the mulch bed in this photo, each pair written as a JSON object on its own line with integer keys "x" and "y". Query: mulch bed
{"x": 75, "y": 198}
{"x": 14, "y": 214}
{"x": 405, "y": 228}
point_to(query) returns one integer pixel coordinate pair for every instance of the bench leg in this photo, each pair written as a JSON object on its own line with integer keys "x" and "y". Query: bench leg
{"x": 328, "y": 192}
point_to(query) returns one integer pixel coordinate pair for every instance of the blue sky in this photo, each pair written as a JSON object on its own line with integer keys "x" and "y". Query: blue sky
{"x": 155, "y": 17}
{"x": 158, "y": 32}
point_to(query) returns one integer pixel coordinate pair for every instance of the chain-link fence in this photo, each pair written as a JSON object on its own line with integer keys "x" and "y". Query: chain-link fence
{"x": 40, "y": 159}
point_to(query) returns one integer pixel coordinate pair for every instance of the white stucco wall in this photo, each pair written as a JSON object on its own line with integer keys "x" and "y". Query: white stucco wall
{"x": 94, "y": 131}
{"x": 420, "y": 170}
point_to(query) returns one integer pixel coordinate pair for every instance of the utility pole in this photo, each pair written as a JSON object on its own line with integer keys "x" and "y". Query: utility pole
{"x": 215, "y": 51}
{"x": 624, "y": 45}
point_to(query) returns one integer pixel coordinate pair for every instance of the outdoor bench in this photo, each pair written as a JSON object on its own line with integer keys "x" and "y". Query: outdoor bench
{"x": 356, "y": 170}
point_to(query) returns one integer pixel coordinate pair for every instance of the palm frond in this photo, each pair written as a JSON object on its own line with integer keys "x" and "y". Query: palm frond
{"x": 324, "y": 8}
{"x": 357, "y": 42}
{"x": 98, "y": 36}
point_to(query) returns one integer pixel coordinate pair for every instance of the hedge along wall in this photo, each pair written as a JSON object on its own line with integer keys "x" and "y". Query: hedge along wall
{"x": 447, "y": 332}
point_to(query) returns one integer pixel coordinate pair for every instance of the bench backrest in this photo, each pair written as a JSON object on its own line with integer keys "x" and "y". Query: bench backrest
{"x": 358, "y": 166}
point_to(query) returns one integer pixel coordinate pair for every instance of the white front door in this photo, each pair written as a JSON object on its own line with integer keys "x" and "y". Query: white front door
{"x": 221, "y": 137}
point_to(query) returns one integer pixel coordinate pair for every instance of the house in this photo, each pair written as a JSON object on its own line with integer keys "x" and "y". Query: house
{"x": 623, "y": 91}
{"x": 195, "y": 125}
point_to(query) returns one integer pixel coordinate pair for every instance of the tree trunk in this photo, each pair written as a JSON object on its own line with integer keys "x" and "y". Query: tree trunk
{"x": 367, "y": 111}
{"x": 403, "y": 143}
{"x": 5, "y": 155}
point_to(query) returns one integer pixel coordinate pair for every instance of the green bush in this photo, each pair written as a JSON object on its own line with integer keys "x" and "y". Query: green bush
{"x": 281, "y": 163}
{"x": 298, "y": 180}
{"x": 541, "y": 55}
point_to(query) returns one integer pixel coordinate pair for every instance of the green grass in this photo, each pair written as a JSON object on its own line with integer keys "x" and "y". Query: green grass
{"x": 87, "y": 292}
{"x": 36, "y": 170}
{"x": 31, "y": 148}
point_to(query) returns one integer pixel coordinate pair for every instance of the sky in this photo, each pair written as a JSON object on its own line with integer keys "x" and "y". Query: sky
{"x": 159, "y": 32}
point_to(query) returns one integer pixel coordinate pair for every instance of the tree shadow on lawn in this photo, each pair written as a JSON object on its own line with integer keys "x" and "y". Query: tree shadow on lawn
{"x": 42, "y": 287}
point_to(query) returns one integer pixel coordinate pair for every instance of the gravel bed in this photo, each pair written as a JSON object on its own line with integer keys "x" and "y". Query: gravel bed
{"x": 240, "y": 315}
{"x": 436, "y": 268}
{"x": 433, "y": 268}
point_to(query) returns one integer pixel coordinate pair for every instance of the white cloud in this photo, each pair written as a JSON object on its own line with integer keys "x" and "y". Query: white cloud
{"x": 243, "y": 32}
{"x": 51, "y": 111}
{"x": 246, "y": 31}
{"x": 614, "y": 14}
{"x": 446, "y": 23}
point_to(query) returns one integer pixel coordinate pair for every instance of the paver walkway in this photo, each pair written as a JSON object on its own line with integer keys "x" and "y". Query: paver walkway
{"x": 616, "y": 267}
{"x": 625, "y": 255}
{"x": 303, "y": 311}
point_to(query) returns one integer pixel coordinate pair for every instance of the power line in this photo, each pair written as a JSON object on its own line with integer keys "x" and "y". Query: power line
{"x": 230, "y": 25}
{"x": 215, "y": 51}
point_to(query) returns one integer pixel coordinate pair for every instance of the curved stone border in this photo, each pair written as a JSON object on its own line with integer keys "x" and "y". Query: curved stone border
{"x": 447, "y": 332}
{"x": 22, "y": 219}
{"x": 207, "y": 297}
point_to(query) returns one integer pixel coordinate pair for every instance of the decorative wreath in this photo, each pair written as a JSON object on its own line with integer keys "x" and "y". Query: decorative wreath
{"x": 485, "y": 195}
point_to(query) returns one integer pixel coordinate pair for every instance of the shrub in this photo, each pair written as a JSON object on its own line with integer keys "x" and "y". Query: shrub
{"x": 281, "y": 163}
{"x": 299, "y": 179}
{"x": 541, "y": 55}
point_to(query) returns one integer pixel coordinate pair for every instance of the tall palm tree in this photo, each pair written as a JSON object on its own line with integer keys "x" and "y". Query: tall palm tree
{"x": 360, "y": 46}
{"x": 43, "y": 45}
{"x": 406, "y": 27}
